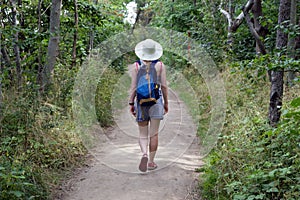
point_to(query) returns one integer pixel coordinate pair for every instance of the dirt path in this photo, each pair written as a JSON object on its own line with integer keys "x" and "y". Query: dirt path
{"x": 114, "y": 175}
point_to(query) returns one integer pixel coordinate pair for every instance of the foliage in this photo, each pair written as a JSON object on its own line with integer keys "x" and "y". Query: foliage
{"x": 104, "y": 94}
{"x": 18, "y": 181}
{"x": 201, "y": 22}
{"x": 36, "y": 139}
{"x": 252, "y": 160}
{"x": 38, "y": 144}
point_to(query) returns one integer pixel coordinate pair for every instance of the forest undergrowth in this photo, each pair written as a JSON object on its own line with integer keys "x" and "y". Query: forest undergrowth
{"x": 39, "y": 143}
{"x": 253, "y": 160}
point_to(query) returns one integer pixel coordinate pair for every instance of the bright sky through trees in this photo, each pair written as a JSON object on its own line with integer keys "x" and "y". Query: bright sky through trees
{"x": 130, "y": 12}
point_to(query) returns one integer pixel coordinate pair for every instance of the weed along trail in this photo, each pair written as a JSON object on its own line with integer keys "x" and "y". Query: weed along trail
{"x": 113, "y": 173}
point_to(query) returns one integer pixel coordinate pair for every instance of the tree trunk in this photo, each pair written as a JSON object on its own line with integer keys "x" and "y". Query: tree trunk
{"x": 16, "y": 46}
{"x": 276, "y": 93}
{"x": 75, "y": 33}
{"x": 52, "y": 51}
{"x": 291, "y": 43}
{"x": 262, "y": 31}
{"x": 40, "y": 64}
{"x": 297, "y": 44}
{"x": 1, "y": 63}
{"x": 143, "y": 17}
{"x": 254, "y": 28}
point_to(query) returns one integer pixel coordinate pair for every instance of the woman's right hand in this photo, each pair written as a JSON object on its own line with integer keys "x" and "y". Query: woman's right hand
{"x": 132, "y": 110}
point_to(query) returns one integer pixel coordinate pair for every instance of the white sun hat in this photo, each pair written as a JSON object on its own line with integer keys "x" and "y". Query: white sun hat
{"x": 148, "y": 50}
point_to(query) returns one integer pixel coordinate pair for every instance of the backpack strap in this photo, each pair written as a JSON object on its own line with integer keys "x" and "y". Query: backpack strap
{"x": 138, "y": 63}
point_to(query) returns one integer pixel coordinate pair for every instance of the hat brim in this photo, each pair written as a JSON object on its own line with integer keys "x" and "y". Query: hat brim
{"x": 143, "y": 56}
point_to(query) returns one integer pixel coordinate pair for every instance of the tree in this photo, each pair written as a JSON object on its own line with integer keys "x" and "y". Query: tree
{"x": 143, "y": 16}
{"x": 256, "y": 29}
{"x": 16, "y": 45}
{"x": 292, "y": 42}
{"x": 75, "y": 33}
{"x": 1, "y": 66}
{"x": 53, "y": 45}
{"x": 276, "y": 92}
{"x": 40, "y": 64}
{"x": 297, "y": 44}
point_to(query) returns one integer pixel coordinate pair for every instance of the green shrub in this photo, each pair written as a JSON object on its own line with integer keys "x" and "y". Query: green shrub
{"x": 18, "y": 181}
{"x": 37, "y": 145}
{"x": 253, "y": 160}
{"x": 104, "y": 94}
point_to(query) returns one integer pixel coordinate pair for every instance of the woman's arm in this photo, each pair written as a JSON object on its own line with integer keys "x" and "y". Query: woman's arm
{"x": 164, "y": 87}
{"x": 132, "y": 91}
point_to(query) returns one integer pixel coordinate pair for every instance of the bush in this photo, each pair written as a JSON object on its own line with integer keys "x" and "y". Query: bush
{"x": 104, "y": 95}
{"x": 18, "y": 181}
{"x": 253, "y": 160}
{"x": 37, "y": 145}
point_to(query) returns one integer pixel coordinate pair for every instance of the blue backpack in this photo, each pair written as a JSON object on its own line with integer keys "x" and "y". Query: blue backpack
{"x": 147, "y": 90}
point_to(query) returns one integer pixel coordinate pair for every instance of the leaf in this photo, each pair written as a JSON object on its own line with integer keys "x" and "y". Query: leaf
{"x": 261, "y": 196}
{"x": 251, "y": 197}
{"x": 273, "y": 189}
{"x": 295, "y": 102}
{"x": 296, "y": 115}
{"x": 17, "y": 193}
{"x": 239, "y": 197}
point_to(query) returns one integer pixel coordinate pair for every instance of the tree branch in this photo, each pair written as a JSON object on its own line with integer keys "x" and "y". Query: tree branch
{"x": 259, "y": 43}
{"x": 233, "y": 25}
{"x": 227, "y": 15}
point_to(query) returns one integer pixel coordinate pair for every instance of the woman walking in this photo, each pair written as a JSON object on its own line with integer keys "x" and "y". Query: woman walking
{"x": 148, "y": 99}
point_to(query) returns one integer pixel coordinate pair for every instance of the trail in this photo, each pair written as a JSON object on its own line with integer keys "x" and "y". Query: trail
{"x": 113, "y": 172}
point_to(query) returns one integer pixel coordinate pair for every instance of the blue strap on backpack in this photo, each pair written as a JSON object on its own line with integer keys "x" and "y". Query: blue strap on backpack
{"x": 147, "y": 90}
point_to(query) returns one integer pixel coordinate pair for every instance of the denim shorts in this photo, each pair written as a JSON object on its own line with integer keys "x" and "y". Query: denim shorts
{"x": 145, "y": 113}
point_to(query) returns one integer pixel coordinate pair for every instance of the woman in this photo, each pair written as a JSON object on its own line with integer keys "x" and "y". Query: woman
{"x": 148, "y": 116}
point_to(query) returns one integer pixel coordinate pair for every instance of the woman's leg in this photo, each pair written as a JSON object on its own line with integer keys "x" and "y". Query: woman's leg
{"x": 143, "y": 141}
{"x": 154, "y": 126}
{"x": 143, "y": 136}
